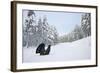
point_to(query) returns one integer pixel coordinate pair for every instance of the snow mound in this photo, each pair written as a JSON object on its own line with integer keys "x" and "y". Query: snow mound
{"x": 77, "y": 50}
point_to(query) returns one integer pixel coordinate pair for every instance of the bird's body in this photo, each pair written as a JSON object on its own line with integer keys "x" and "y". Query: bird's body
{"x": 41, "y": 49}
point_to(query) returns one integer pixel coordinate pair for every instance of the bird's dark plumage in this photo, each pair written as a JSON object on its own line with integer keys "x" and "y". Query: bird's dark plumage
{"x": 41, "y": 49}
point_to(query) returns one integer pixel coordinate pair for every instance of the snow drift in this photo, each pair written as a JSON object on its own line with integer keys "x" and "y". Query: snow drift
{"x": 69, "y": 51}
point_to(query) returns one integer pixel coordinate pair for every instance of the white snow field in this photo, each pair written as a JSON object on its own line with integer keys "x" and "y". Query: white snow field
{"x": 77, "y": 50}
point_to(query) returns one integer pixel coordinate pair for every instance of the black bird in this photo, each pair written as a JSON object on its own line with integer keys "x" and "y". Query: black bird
{"x": 40, "y": 48}
{"x": 45, "y": 52}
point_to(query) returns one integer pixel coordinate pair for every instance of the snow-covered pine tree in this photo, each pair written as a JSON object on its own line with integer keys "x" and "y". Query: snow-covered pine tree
{"x": 55, "y": 35}
{"x": 28, "y": 28}
{"x": 86, "y": 24}
{"x": 49, "y": 33}
{"x": 77, "y": 33}
{"x": 36, "y": 31}
{"x": 45, "y": 30}
{"x": 38, "y": 36}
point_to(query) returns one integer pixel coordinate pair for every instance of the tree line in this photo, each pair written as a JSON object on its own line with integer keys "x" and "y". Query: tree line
{"x": 36, "y": 31}
{"x": 79, "y": 31}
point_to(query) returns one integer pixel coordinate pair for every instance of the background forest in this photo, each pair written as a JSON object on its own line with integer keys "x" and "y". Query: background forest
{"x": 36, "y": 31}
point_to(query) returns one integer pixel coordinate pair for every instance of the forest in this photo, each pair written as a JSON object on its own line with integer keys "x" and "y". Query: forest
{"x": 36, "y": 31}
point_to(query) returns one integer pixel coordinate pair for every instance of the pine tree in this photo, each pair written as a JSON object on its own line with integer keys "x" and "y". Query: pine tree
{"x": 36, "y": 31}
{"x": 86, "y": 24}
{"x": 78, "y": 34}
{"x": 28, "y": 28}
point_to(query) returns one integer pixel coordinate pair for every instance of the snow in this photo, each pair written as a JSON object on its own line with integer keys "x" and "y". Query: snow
{"x": 77, "y": 50}
{"x": 62, "y": 34}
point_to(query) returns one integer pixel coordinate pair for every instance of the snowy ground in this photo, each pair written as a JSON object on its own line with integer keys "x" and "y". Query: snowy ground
{"x": 77, "y": 50}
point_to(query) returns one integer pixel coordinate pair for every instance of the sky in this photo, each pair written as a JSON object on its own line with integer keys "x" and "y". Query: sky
{"x": 63, "y": 21}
